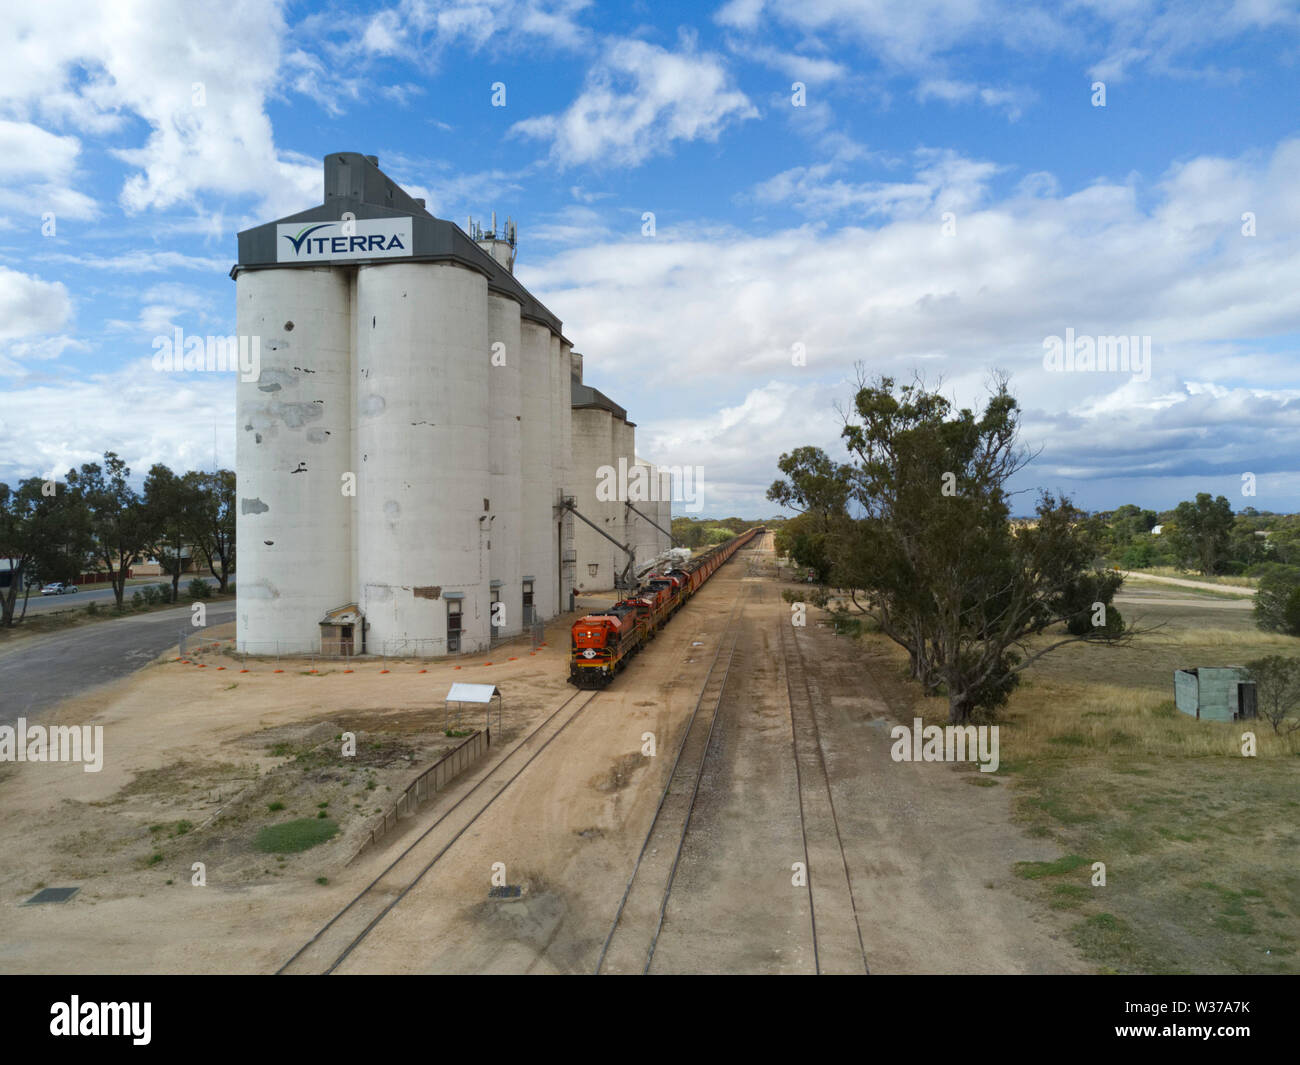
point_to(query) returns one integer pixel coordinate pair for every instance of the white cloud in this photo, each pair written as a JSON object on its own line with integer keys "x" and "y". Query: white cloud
{"x": 740, "y": 14}
{"x": 162, "y": 308}
{"x": 724, "y": 312}
{"x": 140, "y": 261}
{"x": 419, "y": 30}
{"x": 1010, "y": 101}
{"x": 921, "y": 37}
{"x": 1170, "y": 39}
{"x": 811, "y": 70}
{"x": 810, "y": 189}
{"x": 944, "y": 181}
{"x": 570, "y": 226}
{"x": 29, "y": 305}
{"x": 32, "y": 311}
{"x": 637, "y": 101}
{"x": 37, "y": 169}
{"x": 198, "y": 82}
{"x": 152, "y": 417}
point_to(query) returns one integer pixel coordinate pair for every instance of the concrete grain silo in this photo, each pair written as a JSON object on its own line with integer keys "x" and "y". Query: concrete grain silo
{"x": 598, "y": 430}
{"x": 421, "y": 453}
{"x": 649, "y": 540}
{"x": 563, "y": 418}
{"x": 537, "y": 558}
{"x": 505, "y": 452}
{"x": 406, "y": 451}
{"x": 294, "y": 438}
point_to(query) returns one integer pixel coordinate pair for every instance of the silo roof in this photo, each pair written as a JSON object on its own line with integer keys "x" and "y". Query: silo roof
{"x": 390, "y": 225}
{"x": 584, "y": 396}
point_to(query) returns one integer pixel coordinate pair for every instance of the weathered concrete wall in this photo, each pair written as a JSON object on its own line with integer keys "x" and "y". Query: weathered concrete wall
{"x": 293, "y": 442}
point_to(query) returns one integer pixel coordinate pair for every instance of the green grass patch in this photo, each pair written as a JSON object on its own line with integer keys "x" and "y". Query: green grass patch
{"x": 1037, "y": 870}
{"x": 292, "y": 837}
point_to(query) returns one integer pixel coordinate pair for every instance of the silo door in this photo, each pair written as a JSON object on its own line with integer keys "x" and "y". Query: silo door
{"x": 1246, "y": 706}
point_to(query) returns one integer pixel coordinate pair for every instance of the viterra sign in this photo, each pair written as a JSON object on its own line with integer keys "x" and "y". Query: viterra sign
{"x": 361, "y": 238}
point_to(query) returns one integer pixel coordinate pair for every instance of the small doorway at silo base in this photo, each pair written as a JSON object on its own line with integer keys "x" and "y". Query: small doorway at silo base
{"x": 338, "y": 629}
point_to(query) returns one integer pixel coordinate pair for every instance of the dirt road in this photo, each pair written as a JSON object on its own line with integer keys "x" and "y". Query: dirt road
{"x": 1181, "y": 582}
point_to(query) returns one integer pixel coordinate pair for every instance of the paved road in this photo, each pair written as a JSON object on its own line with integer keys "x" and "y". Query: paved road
{"x": 44, "y": 604}
{"x": 37, "y": 672}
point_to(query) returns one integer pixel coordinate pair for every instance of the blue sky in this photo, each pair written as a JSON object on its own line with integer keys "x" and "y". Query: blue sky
{"x": 777, "y": 225}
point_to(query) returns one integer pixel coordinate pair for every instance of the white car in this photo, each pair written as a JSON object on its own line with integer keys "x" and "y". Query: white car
{"x": 58, "y": 588}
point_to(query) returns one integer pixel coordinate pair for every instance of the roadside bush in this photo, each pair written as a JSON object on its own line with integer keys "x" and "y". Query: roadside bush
{"x": 92, "y": 609}
{"x": 1138, "y": 556}
{"x": 200, "y": 589}
{"x": 152, "y": 595}
{"x": 1277, "y": 685}
{"x": 1291, "y": 613}
{"x": 1277, "y": 603}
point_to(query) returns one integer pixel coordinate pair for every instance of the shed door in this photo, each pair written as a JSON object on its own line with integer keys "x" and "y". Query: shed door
{"x": 1246, "y": 699}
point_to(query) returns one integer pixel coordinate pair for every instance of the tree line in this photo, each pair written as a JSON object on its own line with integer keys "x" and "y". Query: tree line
{"x": 705, "y": 532}
{"x": 916, "y": 531}
{"x": 1205, "y": 536}
{"x": 94, "y": 518}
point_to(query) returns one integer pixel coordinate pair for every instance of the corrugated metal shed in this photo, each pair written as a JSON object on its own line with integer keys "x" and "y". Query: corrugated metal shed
{"x": 1213, "y": 693}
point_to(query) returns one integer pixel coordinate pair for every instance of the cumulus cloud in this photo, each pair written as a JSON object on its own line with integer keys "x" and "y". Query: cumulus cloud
{"x": 160, "y": 308}
{"x": 419, "y": 30}
{"x": 811, "y": 70}
{"x": 1108, "y": 39}
{"x": 943, "y": 181}
{"x": 1171, "y": 264}
{"x": 37, "y": 171}
{"x": 29, "y": 305}
{"x": 637, "y": 101}
{"x": 198, "y": 83}
{"x": 1012, "y": 102}
{"x": 172, "y": 420}
{"x": 31, "y": 312}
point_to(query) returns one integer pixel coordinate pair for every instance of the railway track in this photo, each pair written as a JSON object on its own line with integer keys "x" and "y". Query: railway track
{"x": 346, "y": 930}
{"x": 630, "y": 945}
{"x": 838, "y": 946}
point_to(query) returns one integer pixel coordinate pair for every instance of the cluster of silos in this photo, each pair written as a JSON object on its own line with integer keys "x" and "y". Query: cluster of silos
{"x": 605, "y": 477}
{"x": 416, "y": 433}
{"x": 404, "y": 447}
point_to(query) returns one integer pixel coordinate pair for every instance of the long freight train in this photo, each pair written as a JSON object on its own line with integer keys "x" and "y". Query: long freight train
{"x": 604, "y": 641}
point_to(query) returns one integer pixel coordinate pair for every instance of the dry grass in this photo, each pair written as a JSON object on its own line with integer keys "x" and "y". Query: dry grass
{"x": 1199, "y": 842}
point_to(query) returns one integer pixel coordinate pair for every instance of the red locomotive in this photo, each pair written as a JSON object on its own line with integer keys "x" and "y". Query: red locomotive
{"x": 604, "y": 642}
